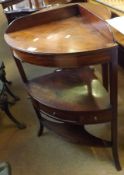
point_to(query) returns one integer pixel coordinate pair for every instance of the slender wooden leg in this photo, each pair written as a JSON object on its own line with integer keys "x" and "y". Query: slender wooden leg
{"x": 39, "y": 116}
{"x": 5, "y": 108}
{"x": 113, "y": 98}
{"x": 115, "y": 145}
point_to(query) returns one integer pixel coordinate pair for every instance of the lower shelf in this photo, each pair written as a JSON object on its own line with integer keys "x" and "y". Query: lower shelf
{"x": 75, "y": 133}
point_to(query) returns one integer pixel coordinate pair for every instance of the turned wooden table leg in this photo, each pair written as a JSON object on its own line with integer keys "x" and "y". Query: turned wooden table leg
{"x": 114, "y": 96}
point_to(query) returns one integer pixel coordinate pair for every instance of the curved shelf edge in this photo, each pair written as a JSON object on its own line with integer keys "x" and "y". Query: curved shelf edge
{"x": 74, "y": 133}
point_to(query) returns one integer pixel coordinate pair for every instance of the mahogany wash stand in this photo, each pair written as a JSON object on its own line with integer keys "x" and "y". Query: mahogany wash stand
{"x": 70, "y": 38}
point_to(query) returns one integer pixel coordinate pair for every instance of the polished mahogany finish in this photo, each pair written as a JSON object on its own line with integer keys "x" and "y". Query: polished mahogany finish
{"x": 72, "y": 38}
{"x": 68, "y": 35}
{"x": 42, "y": 32}
{"x": 80, "y": 86}
{"x": 64, "y": 94}
{"x": 71, "y": 34}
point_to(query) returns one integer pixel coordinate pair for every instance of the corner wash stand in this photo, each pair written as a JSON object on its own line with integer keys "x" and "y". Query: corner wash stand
{"x": 70, "y": 38}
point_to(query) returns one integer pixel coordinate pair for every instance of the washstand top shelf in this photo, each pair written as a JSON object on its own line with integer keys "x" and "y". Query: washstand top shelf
{"x": 69, "y": 30}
